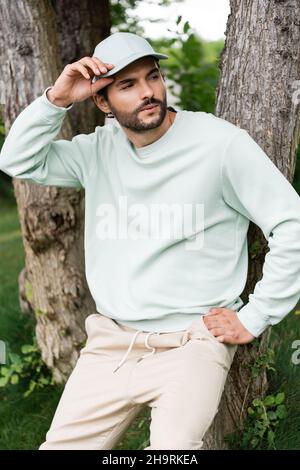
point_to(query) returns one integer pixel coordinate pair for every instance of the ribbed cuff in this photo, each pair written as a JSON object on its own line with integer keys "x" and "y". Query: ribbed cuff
{"x": 252, "y": 319}
{"x": 50, "y": 105}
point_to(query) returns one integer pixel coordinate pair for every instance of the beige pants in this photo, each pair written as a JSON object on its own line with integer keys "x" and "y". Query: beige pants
{"x": 116, "y": 375}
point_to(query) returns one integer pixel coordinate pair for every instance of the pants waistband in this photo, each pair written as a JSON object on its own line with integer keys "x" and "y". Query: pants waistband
{"x": 106, "y": 325}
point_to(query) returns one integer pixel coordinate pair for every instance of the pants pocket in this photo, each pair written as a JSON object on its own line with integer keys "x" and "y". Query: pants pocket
{"x": 225, "y": 351}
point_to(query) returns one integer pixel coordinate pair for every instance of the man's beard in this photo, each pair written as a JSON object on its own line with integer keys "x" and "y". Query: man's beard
{"x": 133, "y": 122}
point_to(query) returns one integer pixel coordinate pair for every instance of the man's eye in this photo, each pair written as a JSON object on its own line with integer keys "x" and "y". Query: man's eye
{"x": 127, "y": 86}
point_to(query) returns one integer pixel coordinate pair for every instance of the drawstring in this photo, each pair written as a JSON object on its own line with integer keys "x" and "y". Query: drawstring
{"x": 131, "y": 344}
{"x": 148, "y": 346}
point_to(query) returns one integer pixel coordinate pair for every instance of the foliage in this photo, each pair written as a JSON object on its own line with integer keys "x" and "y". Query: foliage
{"x": 263, "y": 361}
{"x": 28, "y": 369}
{"x": 264, "y": 416}
{"x": 191, "y": 68}
{"x": 123, "y": 17}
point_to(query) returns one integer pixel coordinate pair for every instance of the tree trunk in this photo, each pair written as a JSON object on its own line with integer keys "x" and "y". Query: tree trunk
{"x": 259, "y": 66}
{"x": 37, "y": 40}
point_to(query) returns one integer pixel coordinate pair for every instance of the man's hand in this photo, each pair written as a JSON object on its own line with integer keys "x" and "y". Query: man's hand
{"x": 224, "y": 324}
{"x": 75, "y": 82}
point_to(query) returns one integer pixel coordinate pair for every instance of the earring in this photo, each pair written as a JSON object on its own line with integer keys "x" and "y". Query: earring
{"x": 109, "y": 115}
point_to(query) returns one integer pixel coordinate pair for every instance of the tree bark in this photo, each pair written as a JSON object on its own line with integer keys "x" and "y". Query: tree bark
{"x": 258, "y": 69}
{"x": 37, "y": 40}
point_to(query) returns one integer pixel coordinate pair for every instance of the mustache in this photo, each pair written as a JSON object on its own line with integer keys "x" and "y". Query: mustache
{"x": 148, "y": 104}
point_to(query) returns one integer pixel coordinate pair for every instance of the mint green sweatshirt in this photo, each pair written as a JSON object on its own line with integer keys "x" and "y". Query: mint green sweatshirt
{"x": 166, "y": 224}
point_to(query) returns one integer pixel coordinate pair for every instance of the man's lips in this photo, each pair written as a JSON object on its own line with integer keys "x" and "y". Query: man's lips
{"x": 149, "y": 107}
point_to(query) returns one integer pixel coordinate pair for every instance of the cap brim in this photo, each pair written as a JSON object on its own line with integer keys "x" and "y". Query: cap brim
{"x": 126, "y": 62}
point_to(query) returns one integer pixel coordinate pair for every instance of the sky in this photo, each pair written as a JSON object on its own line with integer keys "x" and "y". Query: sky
{"x": 207, "y": 17}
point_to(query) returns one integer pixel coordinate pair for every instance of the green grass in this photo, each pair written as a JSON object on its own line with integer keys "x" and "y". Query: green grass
{"x": 287, "y": 379}
{"x": 25, "y": 421}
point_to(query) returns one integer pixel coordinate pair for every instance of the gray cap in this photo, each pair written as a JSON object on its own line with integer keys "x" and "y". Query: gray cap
{"x": 120, "y": 49}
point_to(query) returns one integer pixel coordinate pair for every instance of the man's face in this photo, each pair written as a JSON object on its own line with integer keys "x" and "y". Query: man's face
{"x": 137, "y": 85}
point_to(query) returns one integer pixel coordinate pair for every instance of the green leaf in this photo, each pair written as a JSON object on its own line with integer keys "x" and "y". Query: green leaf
{"x": 281, "y": 411}
{"x": 5, "y": 370}
{"x": 175, "y": 54}
{"x": 269, "y": 400}
{"x": 272, "y": 415}
{"x": 271, "y": 437}
{"x": 14, "y": 379}
{"x": 28, "y": 348}
{"x": 15, "y": 358}
{"x": 179, "y": 18}
{"x": 279, "y": 398}
{"x": 256, "y": 402}
{"x": 186, "y": 27}
{"x": 31, "y": 387}
{"x": 254, "y": 441}
{"x": 44, "y": 381}
{"x": 3, "y": 381}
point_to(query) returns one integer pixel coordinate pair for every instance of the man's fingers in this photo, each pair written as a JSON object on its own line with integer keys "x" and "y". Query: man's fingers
{"x": 90, "y": 64}
{"x": 214, "y": 311}
{"x": 221, "y": 339}
{"x": 216, "y": 320}
{"x": 222, "y": 331}
{"x": 94, "y": 66}
{"x": 78, "y": 67}
{"x": 212, "y": 320}
{"x": 102, "y": 64}
{"x": 217, "y": 331}
{"x": 226, "y": 338}
{"x": 85, "y": 71}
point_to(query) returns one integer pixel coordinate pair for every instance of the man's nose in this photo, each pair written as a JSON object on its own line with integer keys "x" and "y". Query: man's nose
{"x": 146, "y": 92}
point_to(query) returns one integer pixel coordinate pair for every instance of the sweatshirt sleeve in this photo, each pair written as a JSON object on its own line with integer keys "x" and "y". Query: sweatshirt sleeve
{"x": 256, "y": 188}
{"x": 29, "y": 151}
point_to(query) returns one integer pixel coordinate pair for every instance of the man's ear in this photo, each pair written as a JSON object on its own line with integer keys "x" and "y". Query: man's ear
{"x": 100, "y": 103}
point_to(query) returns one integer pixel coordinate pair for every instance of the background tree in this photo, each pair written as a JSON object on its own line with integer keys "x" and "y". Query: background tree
{"x": 258, "y": 66}
{"x": 37, "y": 39}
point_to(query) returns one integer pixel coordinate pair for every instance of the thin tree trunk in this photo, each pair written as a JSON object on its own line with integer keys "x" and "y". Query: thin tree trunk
{"x": 259, "y": 66}
{"x": 37, "y": 40}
